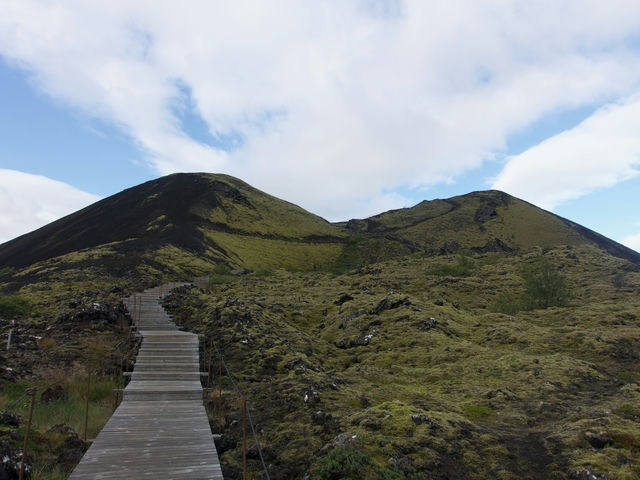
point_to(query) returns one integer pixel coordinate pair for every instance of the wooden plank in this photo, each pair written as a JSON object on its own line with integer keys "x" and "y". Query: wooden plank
{"x": 161, "y": 429}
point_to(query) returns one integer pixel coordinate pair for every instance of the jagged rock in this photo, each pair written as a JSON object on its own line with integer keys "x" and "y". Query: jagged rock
{"x": 427, "y": 324}
{"x": 344, "y": 439}
{"x": 351, "y": 316}
{"x": 75, "y": 303}
{"x": 320, "y": 417}
{"x": 62, "y": 428}
{"x": 345, "y": 297}
{"x": 326, "y": 421}
{"x": 253, "y": 452}
{"x": 93, "y": 313}
{"x": 241, "y": 271}
{"x": 587, "y": 474}
{"x": 389, "y": 304}
{"x": 270, "y": 365}
{"x": 72, "y": 451}
{"x": 359, "y": 341}
{"x": 230, "y": 421}
{"x": 225, "y": 443}
{"x": 420, "y": 418}
{"x": 502, "y": 393}
{"x": 298, "y": 364}
{"x": 311, "y": 397}
{"x": 231, "y": 472}
{"x": 54, "y": 394}
{"x": 485, "y": 212}
{"x": 450, "y": 247}
{"x": 10, "y": 467}
{"x": 598, "y": 440}
{"x": 9, "y": 374}
{"x": 494, "y": 245}
{"x": 9, "y": 419}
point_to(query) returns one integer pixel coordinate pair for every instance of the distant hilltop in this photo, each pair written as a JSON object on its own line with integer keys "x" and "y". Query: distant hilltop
{"x": 212, "y": 219}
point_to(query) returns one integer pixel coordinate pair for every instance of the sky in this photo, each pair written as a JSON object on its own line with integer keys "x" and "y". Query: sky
{"x": 347, "y": 108}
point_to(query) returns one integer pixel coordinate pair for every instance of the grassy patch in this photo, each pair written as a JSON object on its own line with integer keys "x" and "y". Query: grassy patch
{"x": 478, "y": 413}
{"x": 462, "y": 267}
{"x": 437, "y": 375}
{"x": 13, "y": 307}
{"x": 45, "y": 442}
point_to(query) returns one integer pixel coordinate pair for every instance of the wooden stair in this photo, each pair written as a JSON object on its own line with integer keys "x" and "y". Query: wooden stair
{"x": 160, "y": 430}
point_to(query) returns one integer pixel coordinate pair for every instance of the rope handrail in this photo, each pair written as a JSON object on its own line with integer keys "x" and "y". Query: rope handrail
{"x": 248, "y": 412}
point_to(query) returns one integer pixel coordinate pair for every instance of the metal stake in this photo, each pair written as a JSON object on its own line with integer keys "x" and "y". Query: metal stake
{"x": 86, "y": 414}
{"x": 26, "y": 434}
{"x": 244, "y": 439}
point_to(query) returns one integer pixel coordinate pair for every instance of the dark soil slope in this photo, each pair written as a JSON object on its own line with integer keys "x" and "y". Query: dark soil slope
{"x": 174, "y": 210}
{"x": 218, "y": 219}
{"x": 479, "y": 221}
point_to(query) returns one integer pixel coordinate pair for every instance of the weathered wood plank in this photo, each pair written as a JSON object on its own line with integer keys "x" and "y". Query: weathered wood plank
{"x": 160, "y": 430}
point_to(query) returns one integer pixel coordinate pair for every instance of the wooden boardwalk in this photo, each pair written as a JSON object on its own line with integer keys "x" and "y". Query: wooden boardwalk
{"x": 160, "y": 430}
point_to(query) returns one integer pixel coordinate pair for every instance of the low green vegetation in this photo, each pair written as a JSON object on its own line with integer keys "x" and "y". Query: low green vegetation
{"x": 476, "y": 337}
{"x": 6, "y": 270}
{"x": 13, "y": 307}
{"x": 64, "y": 329}
{"x": 462, "y": 267}
{"x": 221, "y": 274}
{"x": 56, "y": 440}
{"x": 423, "y": 376}
{"x": 543, "y": 287}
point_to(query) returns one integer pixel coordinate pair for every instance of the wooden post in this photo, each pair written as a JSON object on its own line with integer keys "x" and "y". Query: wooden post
{"x": 122, "y": 379}
{"x": 244, "y": 439}
{"x": 138, "y": 306}
{"x": 220, "y": 402}
{"x": 86, "y": 413}
{"x": 135, "y": 311}
{"x": 132, "y": 311}
{"x": 26, "y": 434}
{"x": 13, "y": 322}
{"x": 204, "y": 357}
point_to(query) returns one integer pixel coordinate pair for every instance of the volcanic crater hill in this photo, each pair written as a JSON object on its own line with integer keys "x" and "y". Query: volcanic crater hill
{"x": 203, "y": 219}
{"x": 397, "y": 346}
{"x": 184, "y": 225}
{"x": 484, "y": 221}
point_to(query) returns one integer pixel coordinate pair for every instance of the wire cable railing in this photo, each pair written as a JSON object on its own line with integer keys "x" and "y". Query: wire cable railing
{"x": 246, "y": 414}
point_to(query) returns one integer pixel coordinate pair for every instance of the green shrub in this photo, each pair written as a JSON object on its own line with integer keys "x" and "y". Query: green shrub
{"x": 477, "y": 413}
{"x": 507, "y": 303}
{"x": 13, "y": 307}
{"x": 221, "y": 274}
{"x": 264, "y": 273}
{"x": 350, "y": 463}
{"x": 347, "y": 462}
{"x": 628, "y": 411}
{"x": 6, "y": 271}
{"x": 544, "y": 285}
{"x": 462, "y": 268}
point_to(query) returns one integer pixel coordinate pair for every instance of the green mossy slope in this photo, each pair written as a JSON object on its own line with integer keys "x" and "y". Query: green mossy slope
{"x": 425, "y": 380}
{"x": 412, "y": 334}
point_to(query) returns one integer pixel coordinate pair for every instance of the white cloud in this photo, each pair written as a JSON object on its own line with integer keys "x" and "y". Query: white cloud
{"x": 632, "y": 241}
{"x": 600, "y": 152}
{"x": 30, "y": 201}
{"x": 338, "y": 102}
